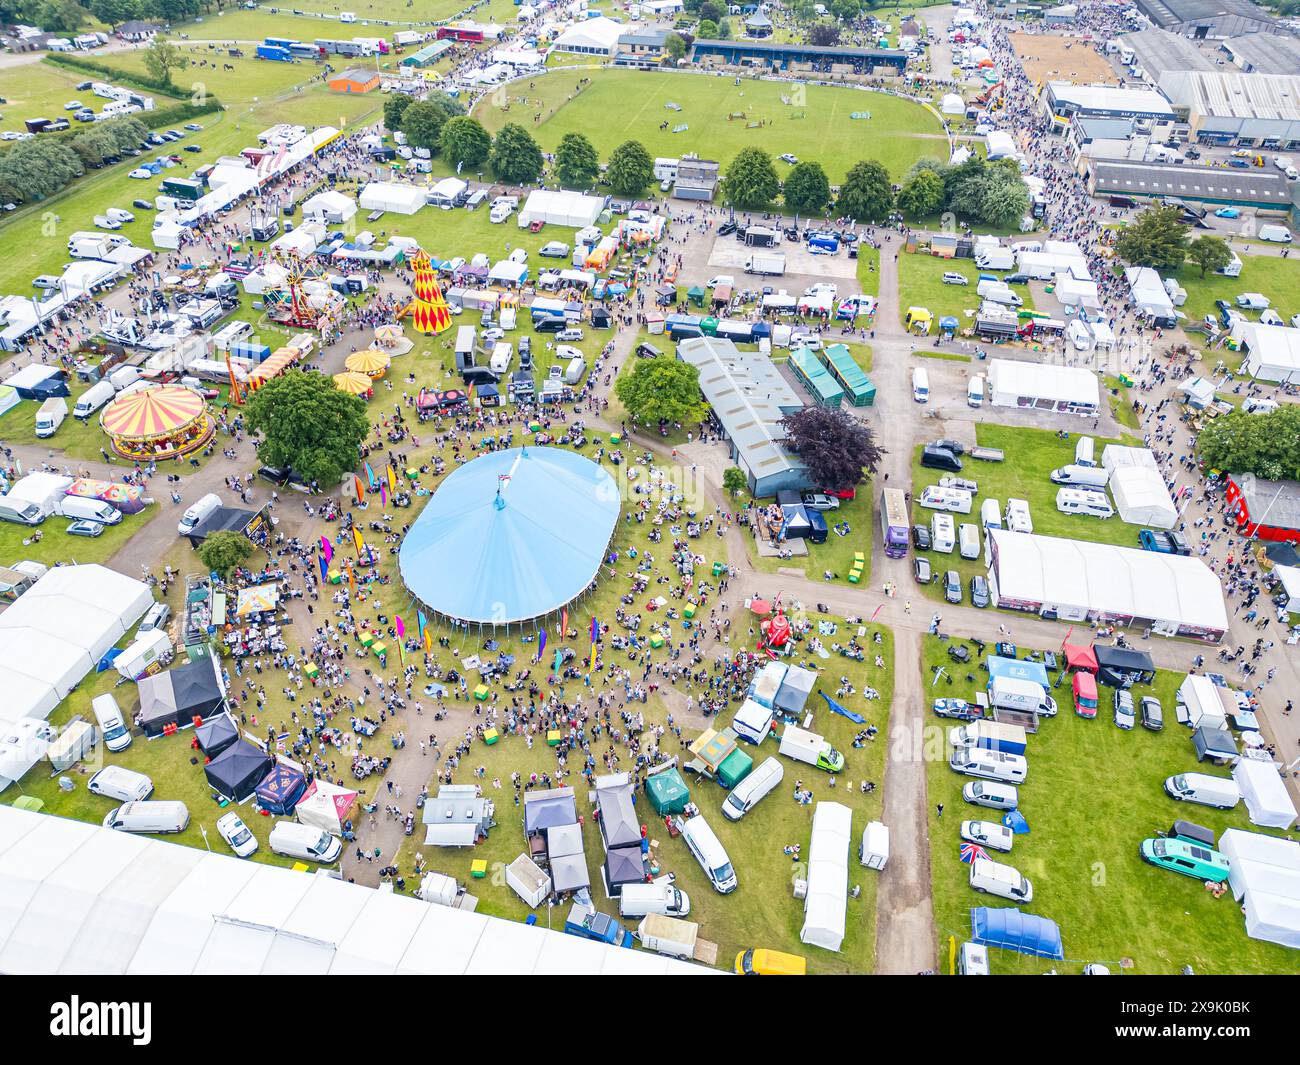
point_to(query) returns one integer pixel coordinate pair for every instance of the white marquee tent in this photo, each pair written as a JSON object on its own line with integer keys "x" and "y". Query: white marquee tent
{"x": 593, "y": 36}
{"x": 1265, "y": 871}
{"x": 387, "y": 196}
{"x": 1265, "y": 794}
{"x": 1273, "y": 352}
{"x": 76, "y": 898}
{"x": 58, "y": 630}
{"x": 1115, "y": 456}
{"x": 560, "y": 209}
{"x": 1043, "y": 386}
{"x": 1142, "y": 498}
{"x": 329, "y": 206}
{"x": 828, "y": 876}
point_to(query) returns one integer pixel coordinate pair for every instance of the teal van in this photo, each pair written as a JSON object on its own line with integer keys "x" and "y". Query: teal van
{"x": 1179, "y": 856}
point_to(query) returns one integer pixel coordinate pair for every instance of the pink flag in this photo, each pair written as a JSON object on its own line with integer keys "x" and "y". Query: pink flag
{"x": 401, "y": 629}
{"x": 878, "y": 609}
{"x": 327, "y": 548}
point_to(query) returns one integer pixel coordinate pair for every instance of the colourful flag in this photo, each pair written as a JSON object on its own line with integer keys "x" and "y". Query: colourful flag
{"x": 352, "y": 581}
{"x": 327, "y": 548}
{"x": 357, "y": 542}
{"x": 324, "y": 568}
{"x": 361, "y": 492}
{"x": 595, "y": 629}
{"x": 592, "y": 667}
{"x": 401, "y": 626}
{"x": 383, "y": 495}
{"x": 392, "y": 479}
{"x": 401, "y": 639}
{"x": 370, "y": 477}
{"x": 876, "y": 613}
{"x": 556, "y": 670}
{"x": 541, "y": 646}
{"x": 564, "y": 622}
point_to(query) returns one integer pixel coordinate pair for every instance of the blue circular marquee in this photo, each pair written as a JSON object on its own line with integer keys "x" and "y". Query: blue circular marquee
{"x": 511, "y": 536}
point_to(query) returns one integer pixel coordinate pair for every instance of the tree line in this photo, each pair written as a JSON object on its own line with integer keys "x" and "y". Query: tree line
{"x": 37, "y": 168}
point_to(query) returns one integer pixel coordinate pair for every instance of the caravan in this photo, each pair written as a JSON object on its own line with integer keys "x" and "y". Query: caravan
{"x": 1078, "y": 501}
{"x": 942, "y": 535}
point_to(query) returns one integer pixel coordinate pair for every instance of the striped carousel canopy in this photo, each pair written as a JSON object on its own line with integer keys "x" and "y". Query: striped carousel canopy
{"x": 152, "y": 412}
{"x": 370, "y": 362}
{"x": 354, "y": 384}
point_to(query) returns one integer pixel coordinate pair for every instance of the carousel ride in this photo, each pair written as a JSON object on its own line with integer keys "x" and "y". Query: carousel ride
{"x": 160, "y": 422}
{"x": 304, "y": 299}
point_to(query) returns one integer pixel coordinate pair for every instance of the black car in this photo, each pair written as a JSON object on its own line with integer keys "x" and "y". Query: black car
{"x": 193, "y": 148}
{"x": 939, "y": 458}
{"x": 1016, "y": 279}
{"x": 979, "y": 591}
{"x": 144, "y": 205}
{"x": 921, "y": 537}
{"x": 955, "y": 446}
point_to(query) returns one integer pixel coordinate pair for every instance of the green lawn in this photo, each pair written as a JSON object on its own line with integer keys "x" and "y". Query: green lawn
{"x": 899, "y": 132}
{"x": 1276, "y": 278}
{"x": 869, "y": 269}
{"x": 1093, "y": 793}
{"x": 946, "y": 356}
{"x": 920, "y": 284}
{"x": 837, "y": 553}
{"x": 762, "y": 911}
{"x": 39, "y": 90}
{"x": 1121, "y": 404}
{"x": 250, "y": 81}
{"x": 56, "y": 546}
{"x": 1031, "y": 455}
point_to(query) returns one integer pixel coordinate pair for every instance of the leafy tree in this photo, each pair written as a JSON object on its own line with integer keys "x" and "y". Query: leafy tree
{"x": 922, "y": 194}
{"x": 806, "y": 10}
{"x": 824, "y": 33}
{"x": 422, "y": 123}
{"x": 224, "y": 552}
{"x": 630, "y": 169}
{"x": 34, "y": 169}
{"x": 675, "y": 46}
{"x": 751, "y": 182}
{"x": 576, "y": 161}
{"x": 307, "y": 423}
{"x": 515, "y": 157}
{"x": 846, "y": 10}
{"x": 734, "y": 481}
{"x": 661, "y": 390}
{"x": 113, "y": 12}
{"x": 162, "y": 57}
{"x": 1004, "y": 201}
{"x": 464, "y": 141}
{"x": 867, "y": 195}
{"x": 838, "y": 450}
{"x": 724, "y": 30}
{"x": 62, "y": 16}
{"x": 394, "y": 108}
{"x": 1157, "y": 238}
{"x": 806, "y": 189}
{"x": 1209, "y": 253}
{"x": 1266, "y": 445}
{"x": 709, "y": 30}
{"x": 712, "y": 11}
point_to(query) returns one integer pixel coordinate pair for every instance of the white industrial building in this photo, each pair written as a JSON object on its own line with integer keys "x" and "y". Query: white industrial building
{"x": 76, "y": 898}
{"x": 1064, "y": 98}
{"x": 560, "y": 209}
{"x": 1264, "y": 873}
{"x": 1069, "y": 389}
{"x": 1079, "y": 580}
{"x": 1272, "y": 352}
{"x": 392, "y": 197}
{"x": 1229, "y": 107}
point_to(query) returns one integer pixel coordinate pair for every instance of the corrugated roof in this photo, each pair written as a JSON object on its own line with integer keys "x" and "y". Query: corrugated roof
{"x": 1214, "y": 183}
{"x": 1159, "y": 51}
{"x": 1265, "y": 53}
{"x": 1222, "y": 94}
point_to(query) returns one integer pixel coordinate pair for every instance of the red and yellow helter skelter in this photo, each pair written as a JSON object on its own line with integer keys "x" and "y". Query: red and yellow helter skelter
{"x": 429, "y": 311}
{"x": 163, "y": 422}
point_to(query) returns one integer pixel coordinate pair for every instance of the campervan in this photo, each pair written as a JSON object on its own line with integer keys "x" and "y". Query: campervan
{"x": 745, "y": 795}
{"x": 942, "y": 536}
{"x": 994, "y": 878}
{"x": 197, "y": 512}
{"x": 991, "y": 765}
{"x": 709, "y": 852}
{"x": 499, "y": 363}
{"x": 1017, "y": 516}
{"x": 1079, "y": 501}
{"x": 1078, "y": 476}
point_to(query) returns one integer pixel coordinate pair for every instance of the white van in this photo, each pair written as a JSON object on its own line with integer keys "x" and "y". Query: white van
{"x": 942, "y": 533}
{"x": 1085, "y": 452}
{"x": 968, "y": 538}
{"x": 80, "y": 508}
{"x": 989, "y": 834}
{"x": 197, "y": 512}
{"x": 710, "y": 853}
{"x": 993, "y": 795}
{"x": 745, "y": 795}
{"x": 117, "y": 737}
{"x": 920, "y": 385}
{"x": 1275, "y": 234}
{"x": 1005, "y": 881}
{"x": 991, "y": 765}
{"x": 151, "y": 816}
{"x": 92, "y": 399}
{"x": 1078, "y": 501}
{"x": 304, "y": 842}
{"x": 975, "y": 391}
{"x": 124, "y": 377}
{"x": 117, "y": 782}
{"x": 1256, "y": 405}
{"x": 1220, "y": 792}
{"x": 641, "y": 900}
{"x": 347, "y": 16}
{"x": 1017, "y": 516}
{"x": 936, "y": 497}
{"x": 1079, "y": 476}
{"x": 574, "y": 372}
{"x": 991, "y": 514}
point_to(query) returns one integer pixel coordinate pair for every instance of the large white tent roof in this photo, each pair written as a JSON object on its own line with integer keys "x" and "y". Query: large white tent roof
{"x": 828, "y": 876}
{"x": 1265, "y": 794}
{"x": 1142, "y": 498}
{"x": 77, "y": 898}
{"x": 389, "y": 196}
{"x": 1113, "y": 456}
{"x": 591, "y": 34}
{"x": 1274, "y": 350}
{"x": 1010, "y": 380}
{"x": 558, "y": 208}
{"x": 1107, "y": 579}
{"x": 1265, "y": 870}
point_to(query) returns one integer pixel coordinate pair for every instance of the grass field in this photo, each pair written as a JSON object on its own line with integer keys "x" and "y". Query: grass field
{"x": 921, "y": 284}
{"x": 618, "y": 105}
{"x": 1093, "y": 793}
{"x": 39, "y": 90}
{"x": 762, "y": 911}
{"x": 1275, "y": 277}
{"x": 1031, "y": 455}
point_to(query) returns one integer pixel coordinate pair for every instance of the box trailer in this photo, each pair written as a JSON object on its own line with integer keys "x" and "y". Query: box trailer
{"x": 766, "y": 265}
{"x": 1014, "y": 693}
{"x": 991, "y": 735}
{"x": 668, "y": 935}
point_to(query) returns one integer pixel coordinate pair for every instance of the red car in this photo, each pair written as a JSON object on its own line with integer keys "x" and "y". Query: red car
{"x": 535, "y": 226}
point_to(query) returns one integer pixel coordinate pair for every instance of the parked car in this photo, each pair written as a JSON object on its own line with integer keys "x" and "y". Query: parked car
{"x": 952, "y": 586}
{"x": 958, "y": 709}
{"x": 1123, "y": 703}
{"x": 820, "y": 501}
{"x": 143, "y": 205}
{"x": 1016, "y": 279}
{"x": 193, "y": 127}
{"x": 979, "y": 591}
{"x": 955, "y": 446}
{"x": 1179, "y": 856}
{"x": 1153, "y": 714}
{"x": 954, "y": 278}
{"x": 921, "y": 537}
{"x": 573, "y": 333}
{"x": 236, "y": 834}
{"x": 726, "y": 229}
{"x": 193, "y": 148}
{"x": 155, "y": 617}
{"x": 85, "y": 527}
{"x": 922, "y": 570}
{"x": 554, "y": 249}
{"x": 987, "y": 834}
{"x": 786, "y": 157}
{"x": 1227, "y": 212}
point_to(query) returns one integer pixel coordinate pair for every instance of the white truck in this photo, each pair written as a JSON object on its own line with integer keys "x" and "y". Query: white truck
{"x": 93, "y": 398}
{"x": 810, "y": 748}
{"x": 668, "y": 935}
{"x": 88, "y": 245}
{"x": 405, "y": 38}
{"x": 1014, "y": 693}
{"x": 50, "y": 416}
{"x": 766, "y": 265}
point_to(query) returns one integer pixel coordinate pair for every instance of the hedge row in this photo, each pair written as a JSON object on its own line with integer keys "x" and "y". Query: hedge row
{"x": 122, "y": 77}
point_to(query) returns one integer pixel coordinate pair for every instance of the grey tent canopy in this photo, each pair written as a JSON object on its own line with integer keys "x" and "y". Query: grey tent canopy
{"x": 179, "y": 695}
{"x": 237, "y": 770}
{"x": 618, "y": 822}
{"x": 545, "y": 809}
{"x": 570, "y": 873}
{"x": 563, "y": 840}
{"x": 625, "y": 865}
